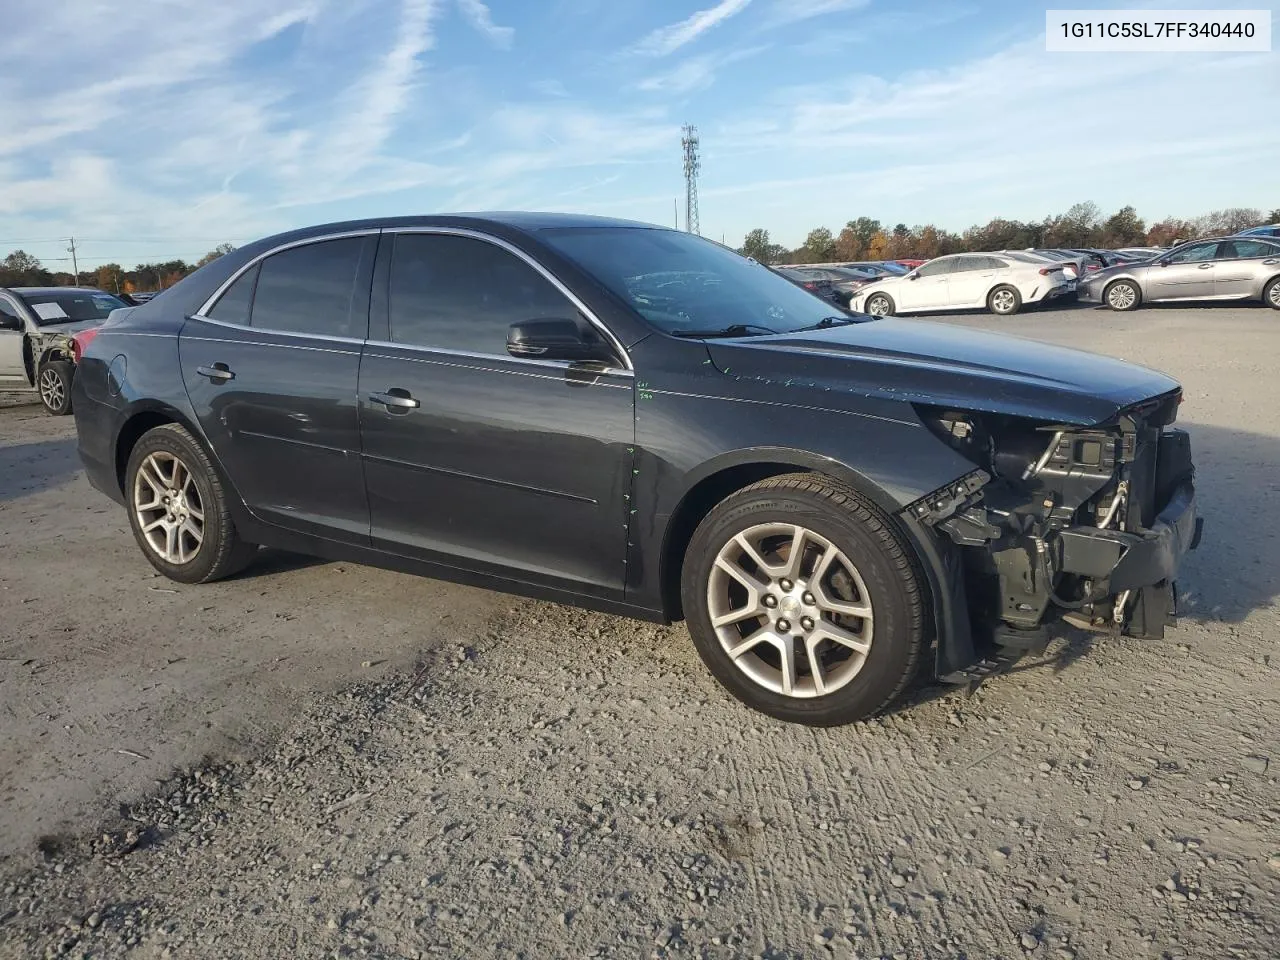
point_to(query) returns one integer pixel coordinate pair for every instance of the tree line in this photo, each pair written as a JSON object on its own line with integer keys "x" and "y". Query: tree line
{"x": 21, "y": 269}
{"x": 1081, "y": 226}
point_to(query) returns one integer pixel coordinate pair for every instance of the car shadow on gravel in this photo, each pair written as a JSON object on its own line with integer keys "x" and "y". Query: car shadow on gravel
{"x": 31, "y": 468}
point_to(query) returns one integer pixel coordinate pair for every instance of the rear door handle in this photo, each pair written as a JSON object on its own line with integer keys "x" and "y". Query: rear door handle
{"x": 1270, "y": 262}
{"x": 395, "y": 399}
{"x": 218, "y": 373}
{"x": 1206, "y": 266}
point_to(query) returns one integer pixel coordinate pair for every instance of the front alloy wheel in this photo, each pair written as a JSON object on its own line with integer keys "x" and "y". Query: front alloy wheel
{"x": 803, "y": 599}
{"x": 790, "y": 610}
{"x": 879, "y": 305}
{"x": 54, "y": 385}
{"x": 1122, "y": 295}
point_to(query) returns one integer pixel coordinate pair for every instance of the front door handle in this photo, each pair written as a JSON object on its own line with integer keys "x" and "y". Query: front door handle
{"x": 395, "y": 399}
{"x": 218, "y": 373}
{"x": 1206, "y": 266}
{"x": 1270, "y": 262}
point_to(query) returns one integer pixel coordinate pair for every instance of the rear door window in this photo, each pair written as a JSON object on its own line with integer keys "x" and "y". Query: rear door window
{"x": 1246, "y": 250}
{"x": 312, "y": 290}
{"x": 234, "y": 304}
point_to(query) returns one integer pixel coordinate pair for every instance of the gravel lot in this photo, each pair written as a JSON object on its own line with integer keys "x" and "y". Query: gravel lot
{"x": 320, "y": 759}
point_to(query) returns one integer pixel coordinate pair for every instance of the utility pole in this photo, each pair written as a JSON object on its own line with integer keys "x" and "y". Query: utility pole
{"x": 75, "y": 267}
{"x": 692, "y": 164}
{"x": 675, "y": 213}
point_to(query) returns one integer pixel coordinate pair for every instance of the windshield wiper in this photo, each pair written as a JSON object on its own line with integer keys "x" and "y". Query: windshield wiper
{"x": 733, "y": 330}
{"x": 830, "y": 322}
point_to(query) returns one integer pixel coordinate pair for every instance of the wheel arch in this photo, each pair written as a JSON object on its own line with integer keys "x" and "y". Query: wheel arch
{"x": 729, "y": 473}
{"x": 141, "y": 419}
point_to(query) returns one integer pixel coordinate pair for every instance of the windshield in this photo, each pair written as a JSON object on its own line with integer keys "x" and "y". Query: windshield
{"x": 71, "y": 306}
{"x": 681, "y": 282}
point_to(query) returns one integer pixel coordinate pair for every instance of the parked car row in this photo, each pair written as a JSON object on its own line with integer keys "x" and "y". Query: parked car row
{"x": 1245, "y": 266}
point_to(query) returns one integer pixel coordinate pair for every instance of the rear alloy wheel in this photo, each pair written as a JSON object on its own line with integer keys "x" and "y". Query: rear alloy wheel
{"x": 178, "y": 509}
{"x": 1271, "y": 295}
{"x": 1123, "y": 295}
{"x": 54, "y": 383}
{"x": 1004, "y": 301}
{"x": 880, "y": 305}
{"x": 803, "y": 601}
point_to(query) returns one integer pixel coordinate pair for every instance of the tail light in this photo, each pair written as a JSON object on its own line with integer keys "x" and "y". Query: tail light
{"x": 810, "y": 285}
{"x": 80, "y": 341}
{"x": 1045, "y": 271}
{"x": 1092, "y": 266}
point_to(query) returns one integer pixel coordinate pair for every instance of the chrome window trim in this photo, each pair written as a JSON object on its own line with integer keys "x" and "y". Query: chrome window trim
{"x": 504, "y": 357}
{"x": 244, "y": 268}
{"x": 547, "y": 274}
{"x": 506, "y": 371}
{"x": 328, "y": 338}
{"x": 278, "y": 346}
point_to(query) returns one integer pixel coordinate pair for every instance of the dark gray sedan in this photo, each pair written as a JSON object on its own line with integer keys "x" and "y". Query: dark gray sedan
{"x": 1223, "y": 268}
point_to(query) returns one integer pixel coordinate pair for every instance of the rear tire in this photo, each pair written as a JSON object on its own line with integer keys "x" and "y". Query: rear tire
{"x": 845, "y": 666}
{"x": 1004, "y": 301}
{"x": 880, "y": 305}
{"x": 178, "y": 509}
{"x": 54, "y": 384}
{"x": 1122, "y": 295}
{"x": 1271, "y": 294}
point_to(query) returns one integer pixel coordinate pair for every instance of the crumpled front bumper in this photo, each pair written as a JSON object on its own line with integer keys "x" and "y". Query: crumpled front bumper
{"x": 1128, "y": 560}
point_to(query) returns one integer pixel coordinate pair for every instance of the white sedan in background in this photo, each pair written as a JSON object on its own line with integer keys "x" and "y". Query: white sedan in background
{"x": 1000, "y": 283}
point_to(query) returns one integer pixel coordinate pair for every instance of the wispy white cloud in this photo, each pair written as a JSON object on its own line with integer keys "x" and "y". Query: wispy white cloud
{"x": 668, "y": 39}
{"x": 793, "y": 11}
{"x": 695, "y": 73}
{"x": 478, "y": 15}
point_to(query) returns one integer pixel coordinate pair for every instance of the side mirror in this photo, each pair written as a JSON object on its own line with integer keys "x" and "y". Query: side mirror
{"x": 557, "y": 339}
{"x": 913, "y": 275}
{"x": 10, "y": 323}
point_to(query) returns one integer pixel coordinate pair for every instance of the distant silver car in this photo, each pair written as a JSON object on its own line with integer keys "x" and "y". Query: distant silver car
{"x": 1223, "y": 268}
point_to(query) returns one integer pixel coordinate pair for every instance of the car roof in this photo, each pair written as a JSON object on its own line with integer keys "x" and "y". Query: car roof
{"x": 524, "y": 220}
{"x": 37, "y": 290}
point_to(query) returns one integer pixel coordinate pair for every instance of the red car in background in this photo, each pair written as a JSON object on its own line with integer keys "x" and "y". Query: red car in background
{"x": 911, "y": 264}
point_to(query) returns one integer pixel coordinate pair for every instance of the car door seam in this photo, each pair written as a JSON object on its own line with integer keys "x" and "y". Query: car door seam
{"x": 429, "y": 468}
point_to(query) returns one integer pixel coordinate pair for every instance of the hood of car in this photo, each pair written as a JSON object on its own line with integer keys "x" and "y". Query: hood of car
{"x": 67, "y": 329}
{"x": 1126, "y": 269}
{"x": 937, "y": 363}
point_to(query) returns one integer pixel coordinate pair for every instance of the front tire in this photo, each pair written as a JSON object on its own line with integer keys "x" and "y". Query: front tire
{"x": 54, "y": 383}
{"x": 880, "y": 305}
{"x": 178, "y": 509}
{"x": 1122, "y": 295}
{"x": 1004, "y": 301}
{"x": 1271, "y": 294}
{"x": 804, "y": 601}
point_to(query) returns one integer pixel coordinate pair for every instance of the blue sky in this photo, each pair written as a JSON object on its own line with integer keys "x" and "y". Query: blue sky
{"x": 157, "y": 128}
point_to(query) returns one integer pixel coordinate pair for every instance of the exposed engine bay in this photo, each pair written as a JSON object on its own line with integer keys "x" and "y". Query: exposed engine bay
{"x": 1062, "y": 523}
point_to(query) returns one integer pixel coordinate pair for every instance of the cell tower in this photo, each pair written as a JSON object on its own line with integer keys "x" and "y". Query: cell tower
{"x": 692, "y": 164}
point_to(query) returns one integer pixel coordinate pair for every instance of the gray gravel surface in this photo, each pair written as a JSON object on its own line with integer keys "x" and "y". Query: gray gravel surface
{"x": 320, "y": 759}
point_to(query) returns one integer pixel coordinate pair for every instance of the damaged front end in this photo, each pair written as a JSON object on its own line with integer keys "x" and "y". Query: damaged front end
{"x": 1061, "y": 524}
